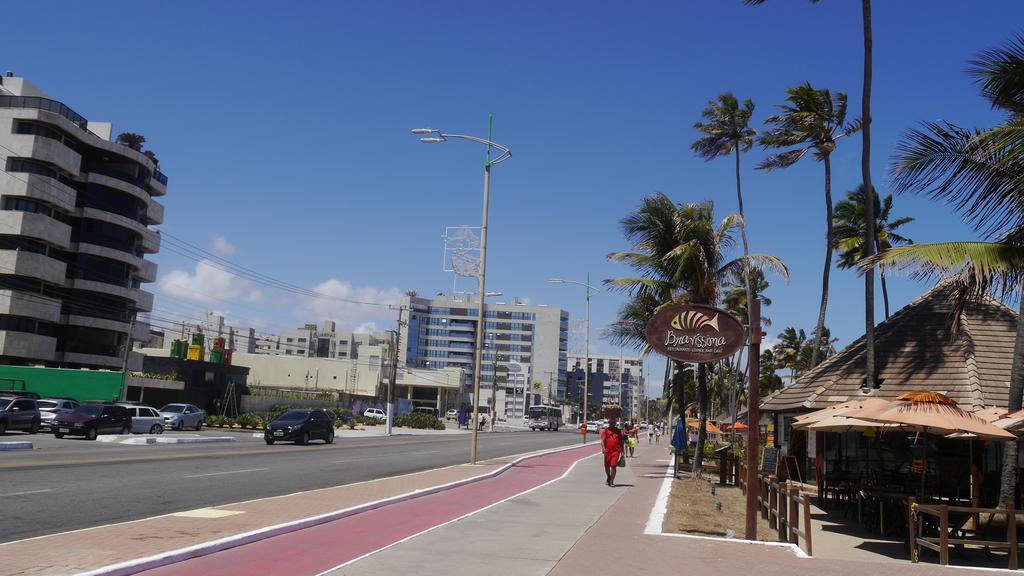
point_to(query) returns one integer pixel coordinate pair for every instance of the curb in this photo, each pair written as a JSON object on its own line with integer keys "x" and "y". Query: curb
{"x": 207, "y": 548}
{"x": 144, "y": 440}
{"x": 15, "y": 445}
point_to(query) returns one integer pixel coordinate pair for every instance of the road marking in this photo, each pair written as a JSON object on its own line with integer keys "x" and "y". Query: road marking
{"x": 231, "y": 472}
{"x": 26, "y": 492}
{"x": 379, "y": 457}
{"x": 207, "y": 513}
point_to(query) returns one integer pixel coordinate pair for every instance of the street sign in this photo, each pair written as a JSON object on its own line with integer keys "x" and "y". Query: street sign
{"x": 694, "y": 333}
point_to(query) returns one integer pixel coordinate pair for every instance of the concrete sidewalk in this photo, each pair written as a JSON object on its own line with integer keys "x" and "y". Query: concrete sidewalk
{"x": 523, "y": 536}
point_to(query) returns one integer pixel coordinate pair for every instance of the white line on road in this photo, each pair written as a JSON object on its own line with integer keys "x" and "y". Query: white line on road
{"x": 26, "y": 492}
{"x": 231, "y": 472}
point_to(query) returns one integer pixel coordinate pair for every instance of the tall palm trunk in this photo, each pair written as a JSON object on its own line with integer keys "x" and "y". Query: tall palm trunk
{"x": 826, "y": 273}
{"x": 869, "y": 203}
{"x": 885, "y": 288}
{"x": 1008, "y": 481}
{"x": 743, "y": 234}
{"x": 702, "y": 406}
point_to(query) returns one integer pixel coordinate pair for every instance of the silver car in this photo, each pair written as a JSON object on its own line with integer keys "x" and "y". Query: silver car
{"x": 182, "y": 416}
{"x": 145, "y": 420}
{"x": 50, "y": 408}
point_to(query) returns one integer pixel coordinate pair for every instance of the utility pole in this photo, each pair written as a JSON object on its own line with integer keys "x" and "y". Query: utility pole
{"x": 394, "y": 373}
{"x": 127, "y": 352}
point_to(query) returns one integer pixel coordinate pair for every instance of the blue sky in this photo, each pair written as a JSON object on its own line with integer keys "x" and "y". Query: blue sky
{"x": 284, "y": 129}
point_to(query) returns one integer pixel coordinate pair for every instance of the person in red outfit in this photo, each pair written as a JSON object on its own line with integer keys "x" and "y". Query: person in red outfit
{"x": 612, "y": 440}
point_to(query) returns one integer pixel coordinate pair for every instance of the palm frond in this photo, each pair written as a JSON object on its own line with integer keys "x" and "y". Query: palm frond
{"x": 1000, "y": 72}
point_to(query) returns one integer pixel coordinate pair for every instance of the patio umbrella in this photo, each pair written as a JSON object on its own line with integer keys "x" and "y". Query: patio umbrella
{"x": 711, "y": 428}
{"x": 836, "y": 410}
{"x": 991, "y": 414}
{"x": 932, "y": 412}
{"x": 840, "y": 423}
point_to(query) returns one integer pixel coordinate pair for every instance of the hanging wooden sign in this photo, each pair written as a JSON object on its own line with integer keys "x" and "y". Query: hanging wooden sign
{"x": 695, "y": 333}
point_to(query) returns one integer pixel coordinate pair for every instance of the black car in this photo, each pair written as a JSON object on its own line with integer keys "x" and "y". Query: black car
{"x": 18, "y": 413}
{"x": 301, "y": 426}
{"x": 91, "y": 420}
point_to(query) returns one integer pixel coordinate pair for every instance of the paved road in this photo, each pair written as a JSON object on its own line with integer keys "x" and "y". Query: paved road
{"x": 71, "y": 484}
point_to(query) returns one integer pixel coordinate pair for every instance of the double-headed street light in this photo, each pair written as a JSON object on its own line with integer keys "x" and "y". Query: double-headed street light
{"x": 432, "y": 136}
{"x": 586, "y": 327}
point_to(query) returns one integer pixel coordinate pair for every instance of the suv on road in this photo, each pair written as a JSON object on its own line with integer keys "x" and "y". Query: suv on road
{"x": 301, "y": 426}
{"x": 91, "y": 420}
{"x": 18, "y": 413}
{"x": 181, "y": 416}
{"x": 50, "y": 408}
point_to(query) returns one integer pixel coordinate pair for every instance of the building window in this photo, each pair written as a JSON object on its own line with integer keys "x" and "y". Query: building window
{"x": 289, "y": 340}
{"x": 288, "y": 352}
{"x": 302, "y": 340}
{"x": 300, "y": 351}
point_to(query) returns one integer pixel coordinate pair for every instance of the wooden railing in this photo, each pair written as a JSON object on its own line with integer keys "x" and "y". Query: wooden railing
{"x": 942, "y": 543}
{"x": 787, "y": 510}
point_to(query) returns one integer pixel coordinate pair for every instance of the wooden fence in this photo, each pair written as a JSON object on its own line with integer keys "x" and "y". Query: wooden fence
{"x": 942, "y": 543}
{"x": 787, "y": 510}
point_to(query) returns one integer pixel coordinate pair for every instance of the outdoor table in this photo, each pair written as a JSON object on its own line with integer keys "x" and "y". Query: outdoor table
{"x": 883, "y": 496}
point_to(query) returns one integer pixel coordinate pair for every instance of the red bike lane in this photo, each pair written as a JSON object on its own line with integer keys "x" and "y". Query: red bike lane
{"x": 314, "y": 550}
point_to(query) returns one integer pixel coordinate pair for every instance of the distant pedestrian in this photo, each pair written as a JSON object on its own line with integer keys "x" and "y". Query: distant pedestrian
{"x": 632, "y": 437}
{"x": 612, "y": 441}
{"x": 657, "y": 433}
{"x": 679, "y": 441}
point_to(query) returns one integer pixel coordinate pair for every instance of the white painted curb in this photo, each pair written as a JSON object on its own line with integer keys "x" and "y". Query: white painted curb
{"x": 144, "y": 440}
{"x": 15, "y": 445}
{"x": 207, "y": 548}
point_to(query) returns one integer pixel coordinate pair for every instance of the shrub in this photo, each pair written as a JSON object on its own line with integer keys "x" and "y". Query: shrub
{"x": 419, "y": 420}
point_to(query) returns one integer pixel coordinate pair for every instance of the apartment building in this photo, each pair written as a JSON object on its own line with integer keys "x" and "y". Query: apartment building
{"x": 440, "y": 333}
{"x": 614, "y": 380}
{"x": 75, "y": 216}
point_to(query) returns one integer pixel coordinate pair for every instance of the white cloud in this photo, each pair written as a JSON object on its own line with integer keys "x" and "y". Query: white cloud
{"x": 220, "y": 246}
{"x": 349, "y": 315}
{"x": 208, "y": 283}
{"x": 366, "y": 328}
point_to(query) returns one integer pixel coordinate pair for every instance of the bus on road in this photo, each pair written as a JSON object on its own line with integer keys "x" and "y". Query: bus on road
{"x": 545, "y": 417}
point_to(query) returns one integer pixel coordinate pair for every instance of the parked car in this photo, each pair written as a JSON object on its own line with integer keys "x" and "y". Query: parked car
{"x": 426, "y": 410}
{"x": 452, "y": 414}
{"x": 301, "y": 426}
{"x": 145, "y": 419}
{"x": 375, "y": 413}
{"x": 91, "y": 420}
{"x": 181, "y": 416}
{"x": 594, "y": 426}
{"x": 17, "y": 413}
{"x": 50, "y": 408}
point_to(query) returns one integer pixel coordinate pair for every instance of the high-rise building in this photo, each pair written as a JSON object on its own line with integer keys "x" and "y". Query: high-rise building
{"x": 75, "y": 216}
{"x": 441, "y": 332}
{"x": 614, "y": 380}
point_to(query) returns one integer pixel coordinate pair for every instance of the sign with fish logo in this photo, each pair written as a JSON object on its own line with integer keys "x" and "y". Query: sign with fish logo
{"x": 695, "y": 333}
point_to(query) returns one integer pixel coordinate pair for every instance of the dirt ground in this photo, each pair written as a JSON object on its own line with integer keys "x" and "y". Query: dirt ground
{"x": 692, "y": 509}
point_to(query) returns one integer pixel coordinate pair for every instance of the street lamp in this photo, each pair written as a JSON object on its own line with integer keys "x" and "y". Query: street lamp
{"x": 586, "y": 327}
{"x": 438, "y": 137}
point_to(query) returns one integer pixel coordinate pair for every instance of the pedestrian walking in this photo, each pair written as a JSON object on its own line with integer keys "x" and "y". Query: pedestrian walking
{"x": 679, "y": 441}
{"x": 657, "y": 432}
{"x": 632, "y": 436}
{"x": 612, "y": 440}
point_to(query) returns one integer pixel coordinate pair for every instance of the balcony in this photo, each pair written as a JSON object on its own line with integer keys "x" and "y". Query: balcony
{"x": 33, "y": 225}
{"x": 39, "y": 103}
{"x": 25, "y": 345}
{"x": 39, "y": 187}
{"x": 34, "y": 306}
{"x": 32, "y": 265}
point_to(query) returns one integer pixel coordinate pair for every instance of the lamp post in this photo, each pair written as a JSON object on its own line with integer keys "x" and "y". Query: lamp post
{"x": 586, "y": 346}
{"x": 432, "y": 136}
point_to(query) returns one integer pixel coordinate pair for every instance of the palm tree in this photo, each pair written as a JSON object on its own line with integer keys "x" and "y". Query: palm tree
{"x": 826, "y": 348}
{"x": 865, "y": 172}
{"x": 812, "y": 122}
{"x": 727, "y": 131}
{"x": 849, "y": 231}
{"x": 131, "y": 140}
{"x": 981, "y": 174}
{"x": 680, "y": 254}
{"x": 789, "y": 351}
{"x": 770, "y": 381}
{"x": 734, "y": 298}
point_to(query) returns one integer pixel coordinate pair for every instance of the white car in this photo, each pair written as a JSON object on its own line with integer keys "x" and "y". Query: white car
{"x": 145, "y": 420}
{"x": 594, "y": 426}
{"x": 50, "y": 408}
{"x": 375, "y": 413}
{"x": 452, "y": 414}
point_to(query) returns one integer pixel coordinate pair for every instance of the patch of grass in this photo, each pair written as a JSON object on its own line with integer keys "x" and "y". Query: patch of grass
{"x": 692, "y": 509}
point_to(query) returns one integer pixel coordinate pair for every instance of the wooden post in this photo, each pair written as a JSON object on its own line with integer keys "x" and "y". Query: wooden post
{"x": 1011, "y": 533}
{"x": 807, "y": 524}
{"x": 944, "y": 535}
{"x": 753, "y": 410}
{"x": 912, "y": 527}
{"x": 783, "y": 526}
{"x": 794, "y": 513}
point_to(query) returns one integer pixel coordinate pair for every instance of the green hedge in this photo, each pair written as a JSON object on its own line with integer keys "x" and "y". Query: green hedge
{"x": 419, "y": 420}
